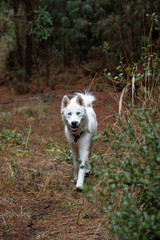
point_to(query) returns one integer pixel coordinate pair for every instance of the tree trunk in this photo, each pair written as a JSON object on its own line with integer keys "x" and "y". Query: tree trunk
{"x": 47, "y": 63}
{"x": 28, "y": 48}
{"x": 130, "y": 39}
{"x": 19, "y": 51}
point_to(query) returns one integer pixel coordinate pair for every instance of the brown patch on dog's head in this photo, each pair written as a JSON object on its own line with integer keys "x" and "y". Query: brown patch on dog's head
{"x": 80, "y": 101}
{"x": 65, "y": 102}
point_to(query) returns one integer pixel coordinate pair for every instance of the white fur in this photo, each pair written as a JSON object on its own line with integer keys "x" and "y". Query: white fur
{"x": 79, "y": 111}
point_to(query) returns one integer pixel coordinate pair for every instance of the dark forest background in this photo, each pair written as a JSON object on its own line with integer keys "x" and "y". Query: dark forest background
{"x": 118, "y": 34}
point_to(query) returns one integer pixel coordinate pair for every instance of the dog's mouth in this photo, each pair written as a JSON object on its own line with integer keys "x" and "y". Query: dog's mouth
{"x": 74, "y": 129}
{"x": 74, "y": 126}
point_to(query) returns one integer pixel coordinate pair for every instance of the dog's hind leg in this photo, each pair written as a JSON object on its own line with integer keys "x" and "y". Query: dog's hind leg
{"x": 88, "y": 165}
{"x": 88, "y": 168}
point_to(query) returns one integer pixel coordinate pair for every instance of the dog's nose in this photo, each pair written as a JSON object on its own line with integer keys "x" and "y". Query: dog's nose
{"x": 74, "y": 123}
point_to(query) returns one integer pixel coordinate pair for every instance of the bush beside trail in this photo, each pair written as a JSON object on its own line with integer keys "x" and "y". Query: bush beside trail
{"x": 128, "y": 180}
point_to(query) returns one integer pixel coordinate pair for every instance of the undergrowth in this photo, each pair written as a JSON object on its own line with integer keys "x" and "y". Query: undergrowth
{"x": 127, "y": 188}
{"x": 9, "y": 136}
{"x": 128, "y": 181}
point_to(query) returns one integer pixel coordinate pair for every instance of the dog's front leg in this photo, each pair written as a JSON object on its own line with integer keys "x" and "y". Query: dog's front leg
{"x": 74, "y": 150}
{"x": 82, "y": 168}
{"x": 84, "y": 151}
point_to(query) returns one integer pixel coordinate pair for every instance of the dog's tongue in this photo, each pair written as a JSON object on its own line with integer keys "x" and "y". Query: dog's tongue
{"x": 74, "y": 129}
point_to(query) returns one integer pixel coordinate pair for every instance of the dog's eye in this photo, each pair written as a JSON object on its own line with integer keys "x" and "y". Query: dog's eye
{"x": 69, "y": 114}
{"x": 78, "y": 113}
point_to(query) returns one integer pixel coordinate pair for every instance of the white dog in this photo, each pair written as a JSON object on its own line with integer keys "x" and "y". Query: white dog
{"x": 80, "y": 127}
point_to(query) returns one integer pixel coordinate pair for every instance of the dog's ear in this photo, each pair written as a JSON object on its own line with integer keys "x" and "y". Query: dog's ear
{"x": 65, "y": 102}
{"x": 80, "y": 101}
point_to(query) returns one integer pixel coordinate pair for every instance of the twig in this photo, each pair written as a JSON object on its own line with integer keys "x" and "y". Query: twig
{"x": 92, "y": 82}
{"x": 125, "y": 89}
{"x": 31, "y": 98}
{"x": 133, "y": 90}
{"x": 40, "y": 214}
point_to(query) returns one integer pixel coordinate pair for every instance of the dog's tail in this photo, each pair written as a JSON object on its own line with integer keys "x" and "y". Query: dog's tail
{"x": 88, "y": 98}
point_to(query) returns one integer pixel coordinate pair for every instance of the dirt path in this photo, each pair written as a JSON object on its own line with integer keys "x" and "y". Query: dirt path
{"x": 38, "y": 200}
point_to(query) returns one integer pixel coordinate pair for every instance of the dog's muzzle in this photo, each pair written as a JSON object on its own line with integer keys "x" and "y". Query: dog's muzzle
{"x": 74, "y": 126}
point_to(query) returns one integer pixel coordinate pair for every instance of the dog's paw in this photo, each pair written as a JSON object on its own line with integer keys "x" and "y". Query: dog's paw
{"x": 87, "y": 174}
{"x": 79, "y": 189}
{"x": 75, "y": 179}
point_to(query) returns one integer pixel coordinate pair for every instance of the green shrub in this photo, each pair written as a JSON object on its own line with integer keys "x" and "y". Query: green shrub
{"x": 9, "y": 136}
{"x": 128, "y": 187}
{"x": 41, "y": 27}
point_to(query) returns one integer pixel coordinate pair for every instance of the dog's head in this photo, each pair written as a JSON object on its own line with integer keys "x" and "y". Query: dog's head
{"x": 73, "y": 112}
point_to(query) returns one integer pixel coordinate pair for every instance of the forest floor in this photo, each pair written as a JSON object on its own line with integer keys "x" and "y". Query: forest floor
{"x": 38, "y": 199}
